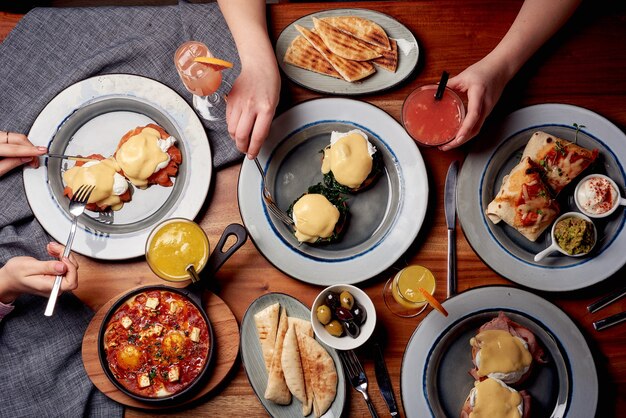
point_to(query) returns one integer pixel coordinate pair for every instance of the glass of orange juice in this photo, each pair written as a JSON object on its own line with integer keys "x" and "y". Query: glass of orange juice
{"x": 177, "y": 249}
{"x": 402, "y": 295}
{"x": 201, "y": 73}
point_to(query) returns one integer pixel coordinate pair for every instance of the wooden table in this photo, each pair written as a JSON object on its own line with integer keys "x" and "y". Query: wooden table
{"x": 583, "y": 65}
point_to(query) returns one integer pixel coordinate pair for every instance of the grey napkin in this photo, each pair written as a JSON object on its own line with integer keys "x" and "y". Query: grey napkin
{"x": 41, "y": 370}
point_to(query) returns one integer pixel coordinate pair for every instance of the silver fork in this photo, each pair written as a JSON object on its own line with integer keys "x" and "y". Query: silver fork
{"x": 357, "y": 376}
{"x": 77, "y": 207}
{"x": 269, "y": 201}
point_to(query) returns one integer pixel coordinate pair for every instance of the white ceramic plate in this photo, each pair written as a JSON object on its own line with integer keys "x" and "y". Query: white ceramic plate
{"x": 504, "y": 249}
{"x": 408, "y": 54}
{"x": 434, "y": 379}
{"x": 254, "y": 365}
{"x": 90, "y": 117}
{"x": 384, "y": 220}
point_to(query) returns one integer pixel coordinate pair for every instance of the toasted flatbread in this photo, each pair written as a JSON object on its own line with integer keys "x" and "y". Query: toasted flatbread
{"x": 389, "y": 58}
{"x": 350, "y": 70}
{"x": 292, "y": 366}
{"x": 524, "y": 201}
{"x": 277, "y": 390}
{"x": 266, "y": 325}
{"x": 321, "y": 373}
{"x": 304, "y": 55}
{"x": 561, "y": 160}
{"x": 304, "y": 327}
{"x": 361, "y": 28}
{"x": 343, "y": 44}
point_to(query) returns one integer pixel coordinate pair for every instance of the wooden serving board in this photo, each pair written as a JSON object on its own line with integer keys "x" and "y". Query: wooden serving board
{"x": 226, "y": 338}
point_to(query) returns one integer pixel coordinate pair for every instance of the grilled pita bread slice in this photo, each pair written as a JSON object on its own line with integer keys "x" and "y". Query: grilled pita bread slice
{"x": 292, "y": 366}
{"x": 321, "y": 373}
{"x": 266, "y": 325}
{"x": 361, "y": 28}
{"x": 389, "y": 58}
{"x": 277, "y": 390}
{"x": 304, "y": 327}
{"x": 304, "y": 55}
{"x": 343, "y": 44}
{"x": 349, "y": 70}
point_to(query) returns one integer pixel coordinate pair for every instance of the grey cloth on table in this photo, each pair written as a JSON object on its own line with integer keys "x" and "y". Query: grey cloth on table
{"x": 41, "y": 370}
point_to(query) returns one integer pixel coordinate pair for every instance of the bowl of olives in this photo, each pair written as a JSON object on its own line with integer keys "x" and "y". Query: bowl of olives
{"x": 343, "y": 316}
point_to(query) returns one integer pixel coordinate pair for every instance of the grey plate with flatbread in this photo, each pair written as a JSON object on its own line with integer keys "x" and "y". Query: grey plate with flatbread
{"x": 252, "y": 357}
{"x": 379, "y": 81}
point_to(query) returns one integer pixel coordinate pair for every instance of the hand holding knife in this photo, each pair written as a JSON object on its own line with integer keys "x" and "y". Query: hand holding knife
{"x": 384, "y": 382}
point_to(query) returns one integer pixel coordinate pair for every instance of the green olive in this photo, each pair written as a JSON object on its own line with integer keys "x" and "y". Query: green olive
{"x": 334, "y": 328}
{"x": 346, "y": 299}
{"x": 323, "y": 314}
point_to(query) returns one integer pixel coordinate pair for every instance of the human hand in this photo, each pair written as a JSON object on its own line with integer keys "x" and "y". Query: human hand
{"x": 29, "y": 275}
{"x": 15, "y": 150}
{"x": 483, "y": 82}
{"x": 251, "y": 105}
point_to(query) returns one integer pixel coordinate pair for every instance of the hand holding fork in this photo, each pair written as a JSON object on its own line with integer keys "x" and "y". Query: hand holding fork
{"x": 269, "y": 201}
{"x": 77, "y": 207}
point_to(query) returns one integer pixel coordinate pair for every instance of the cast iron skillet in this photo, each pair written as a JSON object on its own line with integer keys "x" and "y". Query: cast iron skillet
{"x": 193, "y": 293}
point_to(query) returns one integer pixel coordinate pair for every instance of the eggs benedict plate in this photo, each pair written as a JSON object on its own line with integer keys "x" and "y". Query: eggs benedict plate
{"x": 91, "y": 117}
{"x": 434, "y": 377}
{"x": 384, "y": 218}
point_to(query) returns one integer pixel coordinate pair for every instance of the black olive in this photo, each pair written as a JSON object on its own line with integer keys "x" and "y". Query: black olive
{"x": 359, "y": 314}
{"x": 332, "y": 300}
{"x": 343, "y": 314}
{"x": 351, "y": 328}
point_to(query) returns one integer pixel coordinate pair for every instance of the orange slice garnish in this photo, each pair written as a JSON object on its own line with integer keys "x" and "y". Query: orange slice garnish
{"x": 432, "y": 301}
{"x": 215, "y": 62}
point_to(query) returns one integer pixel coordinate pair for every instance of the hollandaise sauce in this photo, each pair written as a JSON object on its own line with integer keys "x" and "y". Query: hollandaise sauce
{"x": 349, "y": 157}
{"x": 104, "y": 175}
{"x": 500, "y": 352}
{"x": 491, "y": 399}
{"x": 406, "y": 284}
{"x": 315, "y": 217}
{"x": 173, "y": 246}
{"x": 141, "y": 156}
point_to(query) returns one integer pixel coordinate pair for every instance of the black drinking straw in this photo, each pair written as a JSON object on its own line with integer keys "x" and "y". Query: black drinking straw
{"x": 442, "y": 85}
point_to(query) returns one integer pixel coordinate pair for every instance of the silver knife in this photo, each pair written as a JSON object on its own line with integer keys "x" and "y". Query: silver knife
{"x": 450, "y": 208}
{"x": 384, "y": 382}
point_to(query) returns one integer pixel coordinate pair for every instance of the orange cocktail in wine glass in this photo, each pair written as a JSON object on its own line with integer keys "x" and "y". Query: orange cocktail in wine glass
{"x": 201, "y": 73}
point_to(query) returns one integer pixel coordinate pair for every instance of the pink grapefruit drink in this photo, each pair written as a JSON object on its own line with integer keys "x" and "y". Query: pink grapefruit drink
{"x": 429, "y": 121}
{"x": 200, "y": 79}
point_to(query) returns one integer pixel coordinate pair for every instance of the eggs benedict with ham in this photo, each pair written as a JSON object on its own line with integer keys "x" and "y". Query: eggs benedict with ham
{"x": 319, "y": 215}
{"x": 148, "y": 155}
{"x": 492, "y": 398}
{"x": 350, "y": 163}
{"x": 504, "y": 350}
{"x": 111, "y": 189}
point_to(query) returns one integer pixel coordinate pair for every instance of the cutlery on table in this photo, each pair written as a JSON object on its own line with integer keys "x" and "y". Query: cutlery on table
{"x": 607, "y": 322}
{"x": 384, "y": 382}
{"x": 269, "y": 201}
{"x": 77, "y": 207}
{"x": 357, "y": 376}
{"x": 450, "y": 209}
{"x": 69, "y": 157}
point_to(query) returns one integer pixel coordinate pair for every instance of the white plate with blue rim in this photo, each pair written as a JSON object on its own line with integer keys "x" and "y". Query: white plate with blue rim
{"x": 434, "y": 378}
{"x": 90, "y": 117}
{"x": 501, "y": 247}
{"x": 384, "y": 219}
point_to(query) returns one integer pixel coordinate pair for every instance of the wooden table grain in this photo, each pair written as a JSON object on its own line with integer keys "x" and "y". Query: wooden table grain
{"x": 583, "y": 65}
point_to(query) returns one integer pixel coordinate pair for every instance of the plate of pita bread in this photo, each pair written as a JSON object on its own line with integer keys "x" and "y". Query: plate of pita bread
{"x": 347, "y": 51}
{"x": 521, "y": 175}
{"x": 292, "y": 373}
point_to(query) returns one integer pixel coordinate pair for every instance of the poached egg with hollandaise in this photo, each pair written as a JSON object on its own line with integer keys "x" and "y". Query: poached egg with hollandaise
{"x": 349, "y": 158}
{"x": 491, "y": 398}
{"x": 111, "y": 188}
{"x": 148, "y": 155}
{"x": 315, "y": 217}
